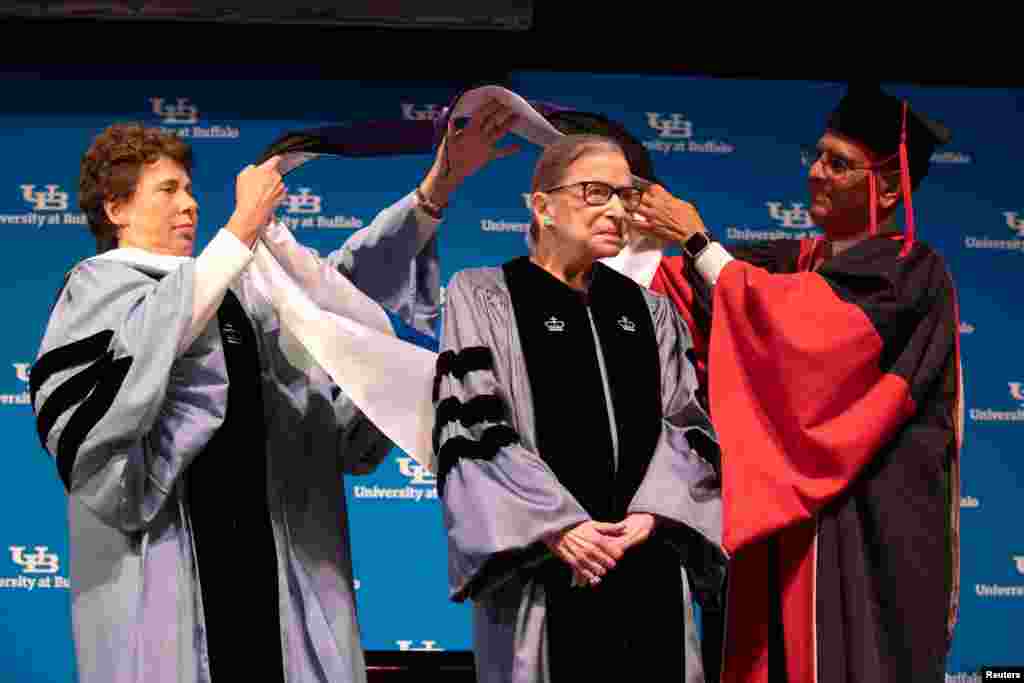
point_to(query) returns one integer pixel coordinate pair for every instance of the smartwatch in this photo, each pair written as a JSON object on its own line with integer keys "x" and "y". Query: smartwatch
{"x": 696, "y": 243}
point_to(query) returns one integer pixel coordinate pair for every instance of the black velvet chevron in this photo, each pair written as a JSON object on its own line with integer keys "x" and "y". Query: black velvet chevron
{"x": 486, "y": 408}
{"x": 89, "y": 413}
{"x": 94, "y": 388}
{"x": 493, "y": 439}
{"x": 68, "y": 356}
{"x": 458, "y": 364}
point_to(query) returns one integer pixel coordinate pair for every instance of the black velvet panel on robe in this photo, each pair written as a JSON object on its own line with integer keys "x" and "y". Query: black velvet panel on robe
{"x": 633, "y": 621}
{"x": 234, "y": 540}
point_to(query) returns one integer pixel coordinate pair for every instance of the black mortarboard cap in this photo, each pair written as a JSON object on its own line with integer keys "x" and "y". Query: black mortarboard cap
{"x": 874, "y": 118}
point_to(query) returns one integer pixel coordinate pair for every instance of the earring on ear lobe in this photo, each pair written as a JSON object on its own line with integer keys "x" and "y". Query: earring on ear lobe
{"x": 548, "y": 222}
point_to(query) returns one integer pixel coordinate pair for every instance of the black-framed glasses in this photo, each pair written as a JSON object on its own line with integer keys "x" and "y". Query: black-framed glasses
{"x": 597, "y": 193}
{"x": 835, "y": 164}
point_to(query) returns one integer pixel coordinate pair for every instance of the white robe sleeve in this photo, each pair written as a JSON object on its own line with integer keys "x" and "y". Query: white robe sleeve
{"x": 223, "y": 259}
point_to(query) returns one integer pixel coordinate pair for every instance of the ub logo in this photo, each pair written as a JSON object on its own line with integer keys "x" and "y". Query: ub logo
{"x": 39, "y": 562}
{"x": 419, "y": 474}
{"x": 1015, "y": 222}
{"x": 22, "y": 370}
{"x": 427, "y": 646}
{"x": 1016, "y": 392}
{"x": 304, "y": 202}
{"x": 177, "y": 114}
{"x": 794, "y": 217}
{"x": 674, "y": 126}
{"x": 50, "y": 200}
{"x": 426, "y": 112}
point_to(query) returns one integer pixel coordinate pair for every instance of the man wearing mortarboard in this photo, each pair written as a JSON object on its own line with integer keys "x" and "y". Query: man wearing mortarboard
{"x": 835, "y": 390}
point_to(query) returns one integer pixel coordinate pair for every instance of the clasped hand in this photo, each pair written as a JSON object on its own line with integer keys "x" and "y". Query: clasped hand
{"x": 592, "y": 549}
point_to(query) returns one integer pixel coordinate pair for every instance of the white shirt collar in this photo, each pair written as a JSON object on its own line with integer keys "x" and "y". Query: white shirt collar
{"x": 165, "y": 263}
{"x": 638, "y": 260}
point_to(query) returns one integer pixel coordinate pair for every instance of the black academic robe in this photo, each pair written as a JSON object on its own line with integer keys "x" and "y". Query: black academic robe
{"x": 835, "y": 390}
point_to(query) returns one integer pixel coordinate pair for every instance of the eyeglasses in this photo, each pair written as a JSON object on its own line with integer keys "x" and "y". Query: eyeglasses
{"x": 836, "y": 165}
{"x": 596, "y": 193}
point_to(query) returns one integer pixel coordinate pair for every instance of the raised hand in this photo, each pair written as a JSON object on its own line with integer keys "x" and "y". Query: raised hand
{"x": 464, "y": 152}
{"x": 258, "y": 191}
{"x": 664, "y": 216}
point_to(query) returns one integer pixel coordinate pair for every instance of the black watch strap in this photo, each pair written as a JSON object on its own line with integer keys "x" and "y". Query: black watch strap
{"x": 696, "y": 243}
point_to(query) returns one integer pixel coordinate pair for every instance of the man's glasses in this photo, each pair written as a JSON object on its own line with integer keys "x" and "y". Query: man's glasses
{"x": 836, "y": 165}
{"x": 596, "y": 193}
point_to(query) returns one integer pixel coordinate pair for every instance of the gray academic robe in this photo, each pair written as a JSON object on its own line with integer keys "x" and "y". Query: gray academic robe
{"x": 136, "y": 598}
{"x": 500, "y": 497}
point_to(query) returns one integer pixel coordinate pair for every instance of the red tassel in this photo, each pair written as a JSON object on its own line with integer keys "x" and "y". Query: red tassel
{"x": 812, "y": 251}
{"x": 908, "y": 240}
{"x": 873, "y": 202}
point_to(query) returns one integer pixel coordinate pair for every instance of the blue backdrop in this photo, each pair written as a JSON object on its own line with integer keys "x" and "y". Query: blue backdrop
{"x": 730, "y": 146}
